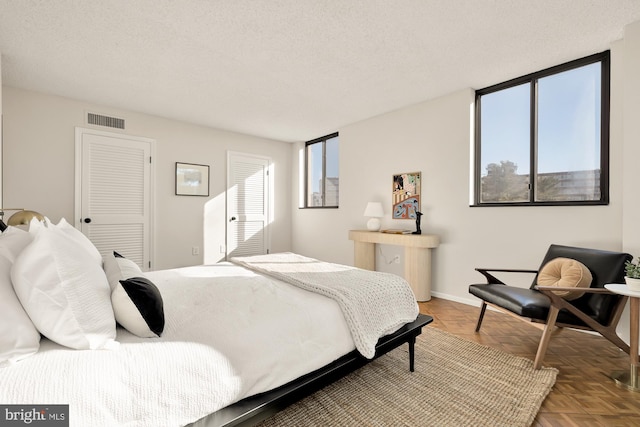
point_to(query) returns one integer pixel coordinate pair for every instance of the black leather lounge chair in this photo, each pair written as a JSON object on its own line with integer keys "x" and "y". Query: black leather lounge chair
{"x": 597, "y": 309}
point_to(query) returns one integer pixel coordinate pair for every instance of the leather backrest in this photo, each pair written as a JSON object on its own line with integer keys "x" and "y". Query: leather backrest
{"x": 605, "y": 266}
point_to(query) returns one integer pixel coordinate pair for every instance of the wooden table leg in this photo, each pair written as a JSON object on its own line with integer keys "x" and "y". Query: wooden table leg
{"x": 364, "y": 254}
{"x": 417, "y": 271}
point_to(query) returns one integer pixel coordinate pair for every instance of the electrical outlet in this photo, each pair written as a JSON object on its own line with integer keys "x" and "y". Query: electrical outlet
{"x": 396, "y": 259}
{"x": 195, "y": 250}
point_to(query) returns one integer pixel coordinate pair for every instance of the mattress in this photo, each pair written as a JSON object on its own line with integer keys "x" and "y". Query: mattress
{"x": 229, "y": 333}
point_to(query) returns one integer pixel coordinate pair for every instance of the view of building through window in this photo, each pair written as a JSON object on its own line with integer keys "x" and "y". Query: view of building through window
{"x": 540, "y": 138}
{"x": 323, "y": 182}
{"x": 502, "y": 183}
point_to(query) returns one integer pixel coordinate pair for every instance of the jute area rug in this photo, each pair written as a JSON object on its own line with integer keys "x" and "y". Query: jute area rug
{"x": 456, "y": 383}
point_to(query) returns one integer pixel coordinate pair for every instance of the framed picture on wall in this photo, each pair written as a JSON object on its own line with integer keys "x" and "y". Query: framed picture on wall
{"x": 406, "y": 195}
{"x": 192, "y": 179}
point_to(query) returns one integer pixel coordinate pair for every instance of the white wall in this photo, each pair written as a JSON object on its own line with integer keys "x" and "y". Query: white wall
{"x": 1, "y": 133}
{"x": 434, "y": 138}
{"x": 39, "y": 171}
{"x": 630, "y": 125}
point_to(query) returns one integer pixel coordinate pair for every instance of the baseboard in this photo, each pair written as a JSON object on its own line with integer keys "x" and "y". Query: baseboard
{"x": 468, "y": 301}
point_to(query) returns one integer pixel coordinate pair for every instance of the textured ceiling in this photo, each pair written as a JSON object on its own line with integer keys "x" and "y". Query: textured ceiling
{"x": 291, "y": 70}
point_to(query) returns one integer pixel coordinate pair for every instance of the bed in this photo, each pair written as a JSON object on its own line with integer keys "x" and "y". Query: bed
{"x": 239, "y": 340}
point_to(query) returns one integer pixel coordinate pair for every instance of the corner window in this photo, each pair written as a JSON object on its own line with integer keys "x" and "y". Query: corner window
{"x": 543, "y": 139}
{"x": 321, "y": 174}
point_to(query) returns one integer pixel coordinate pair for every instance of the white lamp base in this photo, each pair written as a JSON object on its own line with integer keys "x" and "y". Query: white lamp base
{"x": 373, "y": 224}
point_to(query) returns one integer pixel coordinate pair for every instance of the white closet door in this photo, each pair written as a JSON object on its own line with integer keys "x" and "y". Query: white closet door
{"x": 115, "y": 194}
{"x": 247, "y": 205}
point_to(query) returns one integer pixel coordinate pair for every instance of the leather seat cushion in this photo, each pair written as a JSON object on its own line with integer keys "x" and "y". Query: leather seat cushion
{"x": 524, "y": 302}
{"x": 565, "y": 272}
{"x": 521, "y": 301}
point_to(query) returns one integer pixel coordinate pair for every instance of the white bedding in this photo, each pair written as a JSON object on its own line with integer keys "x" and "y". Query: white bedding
{"x": 225, "y": 338}
{"x": 374, "y": 304}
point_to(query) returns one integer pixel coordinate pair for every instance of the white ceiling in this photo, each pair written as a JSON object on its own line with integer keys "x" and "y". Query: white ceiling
{"x": 291, "y": 70}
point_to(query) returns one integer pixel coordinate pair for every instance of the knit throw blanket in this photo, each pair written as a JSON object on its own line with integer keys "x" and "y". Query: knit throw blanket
{"x": 374, "y": 304}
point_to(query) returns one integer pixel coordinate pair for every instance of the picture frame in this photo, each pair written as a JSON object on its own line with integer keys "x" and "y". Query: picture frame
{"x": 192, "y": 179}
{"x": 406, "y": 195}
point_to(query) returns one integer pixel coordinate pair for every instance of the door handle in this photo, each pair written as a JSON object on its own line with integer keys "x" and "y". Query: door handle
{"x": 233, "y": 218}
{"x": 87, "y": 220}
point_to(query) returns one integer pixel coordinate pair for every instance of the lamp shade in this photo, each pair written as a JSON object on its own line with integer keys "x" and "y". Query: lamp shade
{"x": 374, "y": 210}
{"x": 23, "y": 217}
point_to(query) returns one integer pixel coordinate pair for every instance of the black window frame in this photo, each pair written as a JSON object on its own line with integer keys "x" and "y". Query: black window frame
{"x": 605, "y": 60}
{"x": 323, "y": 140}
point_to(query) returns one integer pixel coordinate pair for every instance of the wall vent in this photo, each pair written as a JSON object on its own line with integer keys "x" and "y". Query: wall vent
{"x": 100, "y": 120}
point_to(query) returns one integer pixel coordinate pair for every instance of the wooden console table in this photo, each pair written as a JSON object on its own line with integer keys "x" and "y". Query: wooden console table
{"x": 417, "y": 256}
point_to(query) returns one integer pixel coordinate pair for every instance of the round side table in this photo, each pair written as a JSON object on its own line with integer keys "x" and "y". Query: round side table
{"x": 629, "y": 379}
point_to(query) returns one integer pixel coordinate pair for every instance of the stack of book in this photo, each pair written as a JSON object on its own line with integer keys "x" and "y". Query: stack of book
{"x": 396, "y": 231}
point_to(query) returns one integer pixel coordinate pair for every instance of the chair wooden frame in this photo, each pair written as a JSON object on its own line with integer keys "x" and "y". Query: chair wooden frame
{"x": 557, "y": 303}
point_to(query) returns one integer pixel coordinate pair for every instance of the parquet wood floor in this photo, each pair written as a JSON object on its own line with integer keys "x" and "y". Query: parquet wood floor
{"x": 584, "y": 393}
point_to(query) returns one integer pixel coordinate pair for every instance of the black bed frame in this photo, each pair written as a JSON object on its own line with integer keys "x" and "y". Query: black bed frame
{"x": 254, "y": 409}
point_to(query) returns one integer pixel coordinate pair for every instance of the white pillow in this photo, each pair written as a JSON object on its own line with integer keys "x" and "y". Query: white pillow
{"x": 64, "y": 289}
{"x": 13, "y": 241}
{"x": 82, "y": 240}
{"x": 118, "y": 268}
{"x": 19, "y": 338}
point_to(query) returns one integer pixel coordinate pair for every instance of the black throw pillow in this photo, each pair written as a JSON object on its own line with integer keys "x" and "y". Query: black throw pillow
{"x": 137, "y": 304}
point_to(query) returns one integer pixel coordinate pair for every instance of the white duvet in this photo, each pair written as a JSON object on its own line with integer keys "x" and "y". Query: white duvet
{"x": 374, "y": 304}
{"x": 229, "y": 334}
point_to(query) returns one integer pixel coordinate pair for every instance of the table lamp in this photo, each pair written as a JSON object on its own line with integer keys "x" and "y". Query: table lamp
{"x": 374, "y": 212}
{"x": 22, "y": 217}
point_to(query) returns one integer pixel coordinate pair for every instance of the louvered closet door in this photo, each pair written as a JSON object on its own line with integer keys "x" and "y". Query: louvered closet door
{"x": 115, "y": 194}
{"x": 247, "y": 205}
